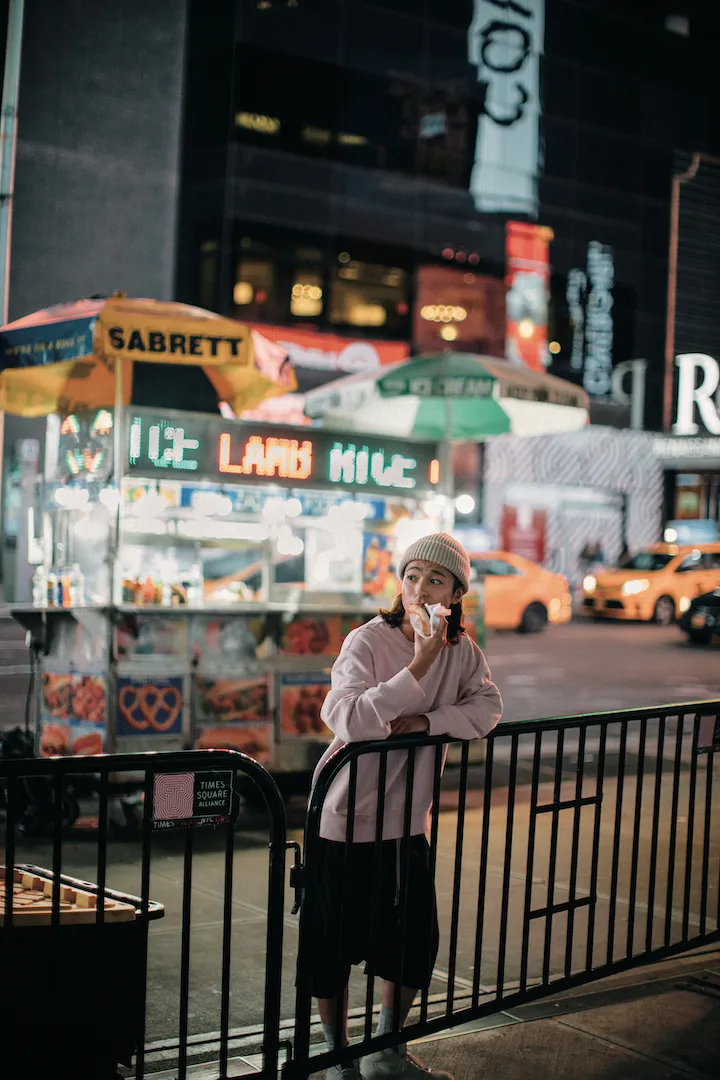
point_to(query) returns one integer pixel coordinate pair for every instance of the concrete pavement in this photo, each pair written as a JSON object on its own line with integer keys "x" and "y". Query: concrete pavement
{"x": 661, "y": 1022}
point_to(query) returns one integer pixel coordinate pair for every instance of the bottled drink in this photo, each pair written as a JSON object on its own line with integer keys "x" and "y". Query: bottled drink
{"x": 77, "y": 586}
{"x": 147, "y": 591}
{"x": 64, "y": 597}
{"x": 52, "y": 588}
{"x": 40, "y": 587}
{"x": 195, "y": 586}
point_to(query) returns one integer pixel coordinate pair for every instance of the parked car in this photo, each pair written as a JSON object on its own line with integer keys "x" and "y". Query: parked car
{"x": 658, "y": 584}
{"x": 519, "y": 594}
{"x": 701, "y": 621}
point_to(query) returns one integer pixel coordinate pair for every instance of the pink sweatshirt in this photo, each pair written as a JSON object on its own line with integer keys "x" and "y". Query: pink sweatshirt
{"x": 371, "y": 686}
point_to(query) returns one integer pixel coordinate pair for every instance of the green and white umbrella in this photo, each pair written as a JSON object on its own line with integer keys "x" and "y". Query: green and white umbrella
{"x": 450, "y": 396}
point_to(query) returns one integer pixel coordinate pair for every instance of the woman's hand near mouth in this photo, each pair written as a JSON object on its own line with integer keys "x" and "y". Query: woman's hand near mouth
{"x": 427, "y": 650}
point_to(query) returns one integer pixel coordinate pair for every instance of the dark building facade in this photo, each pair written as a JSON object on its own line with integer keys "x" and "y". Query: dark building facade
{"x": 99, "y": 126}
{"x": 351, "y": 167}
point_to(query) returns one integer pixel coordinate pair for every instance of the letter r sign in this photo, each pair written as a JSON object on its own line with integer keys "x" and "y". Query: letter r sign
{"x": 689, "y": 394}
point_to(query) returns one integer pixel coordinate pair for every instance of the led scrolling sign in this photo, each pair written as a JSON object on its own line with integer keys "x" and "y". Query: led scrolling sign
{"x": 180, "y": 446}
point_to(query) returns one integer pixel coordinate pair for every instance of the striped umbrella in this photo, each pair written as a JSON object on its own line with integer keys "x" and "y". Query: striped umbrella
{"x": 451, "y": 396}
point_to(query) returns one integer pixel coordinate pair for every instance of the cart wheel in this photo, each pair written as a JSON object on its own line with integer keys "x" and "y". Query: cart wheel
{"x": 71, "y": 809}
{"x": 124, "y": 819}
{"x": 36, "y": 809}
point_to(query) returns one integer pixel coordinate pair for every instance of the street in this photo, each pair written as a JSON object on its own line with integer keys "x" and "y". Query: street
{"x": 589, "y": 666}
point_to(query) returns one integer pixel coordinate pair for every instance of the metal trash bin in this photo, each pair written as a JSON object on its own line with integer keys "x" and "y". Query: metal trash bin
{"x": 72, "y": 996}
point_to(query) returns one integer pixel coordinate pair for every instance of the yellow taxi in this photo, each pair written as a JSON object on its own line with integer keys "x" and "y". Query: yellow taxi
{"x": 657, "y": 584}
{"x": 519, "y": 594}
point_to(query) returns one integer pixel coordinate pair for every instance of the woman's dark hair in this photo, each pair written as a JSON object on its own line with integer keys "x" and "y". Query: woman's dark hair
{"x": 455, "y": 628}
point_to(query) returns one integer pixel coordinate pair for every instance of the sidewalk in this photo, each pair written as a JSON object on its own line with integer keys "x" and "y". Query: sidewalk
{"x": 661, "y": 1022}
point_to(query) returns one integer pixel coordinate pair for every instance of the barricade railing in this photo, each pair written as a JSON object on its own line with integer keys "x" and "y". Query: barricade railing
{"x": 578, "y": 847}
{"x": 581, "y": 846}
{"x": 83, "y": 981}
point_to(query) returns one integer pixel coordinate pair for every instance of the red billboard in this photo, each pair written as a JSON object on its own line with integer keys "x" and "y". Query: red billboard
{"x": 329, "y": 352}
{"x": 528, "y": 284}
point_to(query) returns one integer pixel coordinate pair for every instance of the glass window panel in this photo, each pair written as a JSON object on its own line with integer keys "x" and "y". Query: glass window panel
{"x": 255, "y": 294}
{"x": 306, "y": 295}
{"x": 501, "y": 568}
{"x": 367, "y": 295}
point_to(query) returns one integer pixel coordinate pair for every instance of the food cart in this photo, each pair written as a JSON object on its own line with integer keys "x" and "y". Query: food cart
{"x": 196, "y": 594}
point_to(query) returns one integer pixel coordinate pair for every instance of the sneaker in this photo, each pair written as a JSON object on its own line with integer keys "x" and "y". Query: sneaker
{"x": 391, "y": 1063}
{"x": 342, "y": 1072}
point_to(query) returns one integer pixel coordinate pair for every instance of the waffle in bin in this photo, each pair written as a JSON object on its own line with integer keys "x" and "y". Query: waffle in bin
{"x": 33, "y": 900}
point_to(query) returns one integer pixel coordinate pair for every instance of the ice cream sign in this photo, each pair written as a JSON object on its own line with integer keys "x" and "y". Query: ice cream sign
{"x": 187, "y": 446}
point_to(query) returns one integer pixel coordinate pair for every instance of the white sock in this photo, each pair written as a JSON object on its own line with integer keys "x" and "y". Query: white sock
{"x": 385, "y": 1021}
{"x": 329, "y": 1033}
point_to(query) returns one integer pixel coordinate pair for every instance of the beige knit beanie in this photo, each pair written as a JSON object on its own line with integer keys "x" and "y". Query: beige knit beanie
{"x": 445, "y": 551}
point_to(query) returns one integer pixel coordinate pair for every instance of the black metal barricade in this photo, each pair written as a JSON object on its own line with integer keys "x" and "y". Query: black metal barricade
{"x": 76, "y": 986}
{"x": 575, "y": 848}
{"x": 580, "y": 847}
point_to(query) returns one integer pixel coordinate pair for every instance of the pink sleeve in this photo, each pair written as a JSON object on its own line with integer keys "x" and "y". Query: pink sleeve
{"x": 359, "y": 707}
{"x": 478, "y": 707}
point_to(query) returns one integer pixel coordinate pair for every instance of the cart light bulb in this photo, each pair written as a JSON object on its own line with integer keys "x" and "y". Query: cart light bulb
{"x": 273, "y": 510}
{"x": 71, "y": 498}
{"x": 464, "y": 504}
{"x": 110, "y": 498}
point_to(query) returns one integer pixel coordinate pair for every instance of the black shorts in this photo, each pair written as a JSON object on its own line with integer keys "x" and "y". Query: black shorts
{"x": 356, "y": 921}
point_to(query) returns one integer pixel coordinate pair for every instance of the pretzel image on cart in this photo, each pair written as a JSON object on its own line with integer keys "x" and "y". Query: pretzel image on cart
{"x": 153, "y": 708}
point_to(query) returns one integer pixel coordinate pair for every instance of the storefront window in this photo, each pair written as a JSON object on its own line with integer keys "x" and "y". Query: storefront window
{"x": 255, "y": 289}
{"x": 208, "y": 274}
{"x": 697, "y": 496}
{"x": 306, "y": 295}
{"x": 368, "y": 295}
{"x": 688, "y": 496}
{"x": 421, "y": 120}
{"x": 282, "y": 277}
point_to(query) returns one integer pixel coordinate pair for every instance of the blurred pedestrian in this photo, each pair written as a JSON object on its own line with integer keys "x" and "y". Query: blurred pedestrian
{"x": 389, "y": 680}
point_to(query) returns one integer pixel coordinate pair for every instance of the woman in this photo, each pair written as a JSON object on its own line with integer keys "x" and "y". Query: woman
{"x": 388, "y": 681}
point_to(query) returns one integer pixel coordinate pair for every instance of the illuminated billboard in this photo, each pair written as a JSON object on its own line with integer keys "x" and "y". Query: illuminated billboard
{"x": 505, "y": 43}
{"x": 528, "y": 283}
